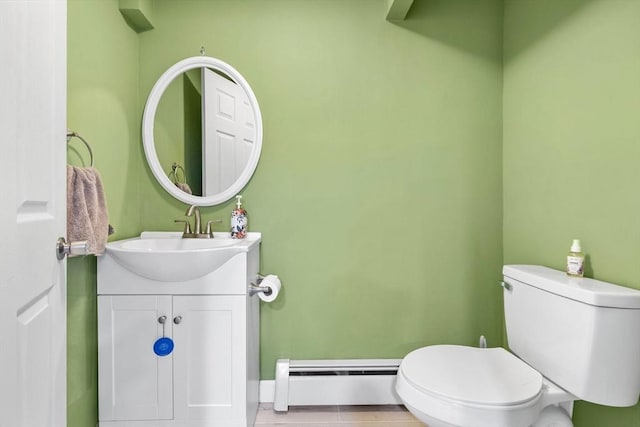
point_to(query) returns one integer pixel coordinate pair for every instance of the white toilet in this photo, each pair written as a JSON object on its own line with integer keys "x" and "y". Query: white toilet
{"x": 570, "y": 339}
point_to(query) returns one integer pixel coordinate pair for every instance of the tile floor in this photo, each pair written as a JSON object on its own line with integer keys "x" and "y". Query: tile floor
{"x": 337, "y": 416}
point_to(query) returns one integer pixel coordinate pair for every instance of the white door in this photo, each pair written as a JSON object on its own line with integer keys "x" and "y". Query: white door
{"x": 228, "y": 132}
{"x": 209, "y": 362}
{"x": 32, "y": 213}
{"x": 134, "y": 382}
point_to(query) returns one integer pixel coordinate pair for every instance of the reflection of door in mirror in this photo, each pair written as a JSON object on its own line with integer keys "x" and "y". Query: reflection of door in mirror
{"x": 228, "y": 132}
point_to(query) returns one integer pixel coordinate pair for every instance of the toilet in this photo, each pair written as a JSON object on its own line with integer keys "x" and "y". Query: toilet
{"x": 569, "y": 339}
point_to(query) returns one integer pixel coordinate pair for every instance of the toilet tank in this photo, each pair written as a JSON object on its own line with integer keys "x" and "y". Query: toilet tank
{"x": 582, "y": 334}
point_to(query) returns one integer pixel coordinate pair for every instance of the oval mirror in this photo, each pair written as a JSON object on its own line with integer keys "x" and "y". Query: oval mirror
{"x": 202, "y": 131}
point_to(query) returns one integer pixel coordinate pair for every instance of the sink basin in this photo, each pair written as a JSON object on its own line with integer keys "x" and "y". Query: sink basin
{"x": 167, "y": 257}
{"x": 170, "y": 245}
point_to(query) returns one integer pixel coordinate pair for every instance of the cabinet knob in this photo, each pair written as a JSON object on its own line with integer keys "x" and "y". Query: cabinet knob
{"x": 177, "y": 320}
{"x": 162, "y": 319}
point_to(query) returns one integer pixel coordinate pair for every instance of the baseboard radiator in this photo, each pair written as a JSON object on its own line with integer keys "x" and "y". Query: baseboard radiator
{"x": 335, "y": 382}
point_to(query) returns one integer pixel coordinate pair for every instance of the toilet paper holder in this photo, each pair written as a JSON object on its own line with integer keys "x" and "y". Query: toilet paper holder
{"x": 255, "y": 288}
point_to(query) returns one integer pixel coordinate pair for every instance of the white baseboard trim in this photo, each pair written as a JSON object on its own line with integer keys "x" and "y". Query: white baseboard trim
{"x": 267, "y": 391}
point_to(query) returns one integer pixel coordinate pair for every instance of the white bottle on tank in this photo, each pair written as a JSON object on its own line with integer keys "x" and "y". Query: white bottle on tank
{"x": 575, "y": 260}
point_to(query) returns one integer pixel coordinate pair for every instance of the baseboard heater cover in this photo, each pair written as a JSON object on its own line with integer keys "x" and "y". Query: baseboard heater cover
{"x": 335, "y": 382}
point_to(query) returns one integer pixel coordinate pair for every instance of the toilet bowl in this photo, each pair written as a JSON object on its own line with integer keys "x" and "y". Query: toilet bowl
{"x": 561, "y": 332}
{"x": 452, "y": 386}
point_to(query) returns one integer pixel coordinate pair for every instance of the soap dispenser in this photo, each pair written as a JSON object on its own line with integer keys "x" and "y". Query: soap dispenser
{"x": 575, "y": 260}
{"x": 239, "y": 221}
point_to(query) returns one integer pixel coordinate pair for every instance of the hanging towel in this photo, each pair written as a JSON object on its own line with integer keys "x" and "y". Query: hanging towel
{"x": 184, "y": 187}
{"x": 87, "y": 216}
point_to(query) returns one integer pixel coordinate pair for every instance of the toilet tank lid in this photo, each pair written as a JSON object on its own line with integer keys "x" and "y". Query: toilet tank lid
{"x": 588, "y": 291}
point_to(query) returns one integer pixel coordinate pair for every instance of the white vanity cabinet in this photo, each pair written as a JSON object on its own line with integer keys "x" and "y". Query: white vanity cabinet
{"x": 210, "y": 378}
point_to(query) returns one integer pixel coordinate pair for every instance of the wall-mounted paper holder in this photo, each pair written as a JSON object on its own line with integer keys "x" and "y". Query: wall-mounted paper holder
{"x": 255, "y": 288}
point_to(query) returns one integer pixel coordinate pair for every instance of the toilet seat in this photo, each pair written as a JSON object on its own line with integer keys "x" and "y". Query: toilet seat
{"x": 467, "y": 386}
{"x": 487, "y": 376}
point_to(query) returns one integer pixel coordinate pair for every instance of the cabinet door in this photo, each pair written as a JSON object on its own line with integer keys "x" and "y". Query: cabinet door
{"x": 134, "y": 383}
{"x": 210, "y": 359}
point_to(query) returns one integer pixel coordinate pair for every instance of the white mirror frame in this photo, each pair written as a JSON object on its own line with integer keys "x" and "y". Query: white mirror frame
{"x": 148, "y": 121}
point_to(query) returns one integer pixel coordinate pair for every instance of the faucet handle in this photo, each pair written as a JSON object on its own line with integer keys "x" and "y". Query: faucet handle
{"x": 187, "y": 226}
{"x": 212, "y": 221}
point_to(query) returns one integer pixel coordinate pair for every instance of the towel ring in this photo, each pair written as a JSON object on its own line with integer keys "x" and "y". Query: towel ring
{"x": 71, "y": 134}
{"x": 174, "y": 169}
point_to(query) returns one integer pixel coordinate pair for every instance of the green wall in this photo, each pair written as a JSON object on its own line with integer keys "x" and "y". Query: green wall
{"x": 103, "y": 107}
{"x": 379, "y": 189}
{"x": 572, "y": 144}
